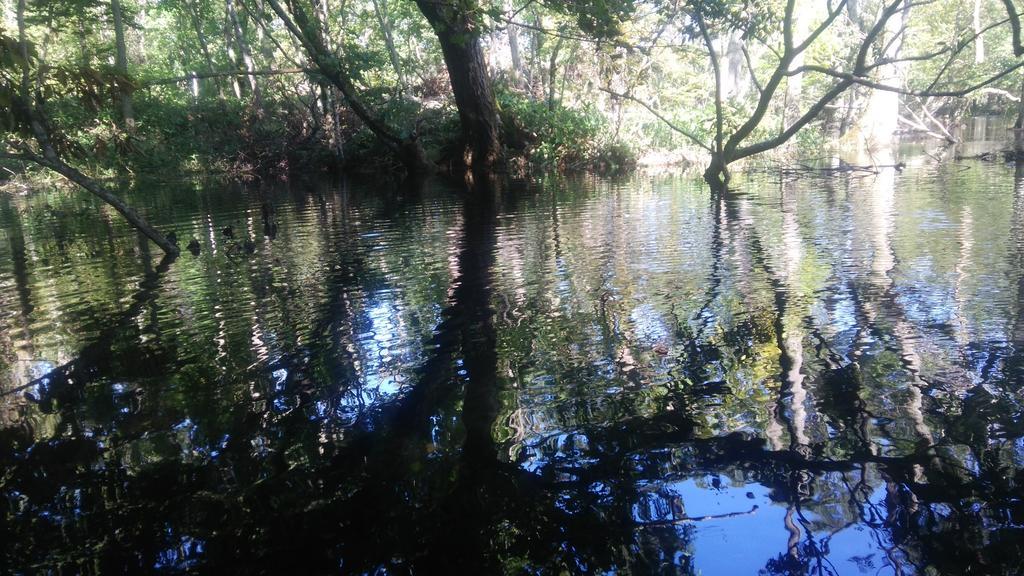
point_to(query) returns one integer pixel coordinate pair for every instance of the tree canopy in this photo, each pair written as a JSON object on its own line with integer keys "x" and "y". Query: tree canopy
{"x": 274, "y": 85}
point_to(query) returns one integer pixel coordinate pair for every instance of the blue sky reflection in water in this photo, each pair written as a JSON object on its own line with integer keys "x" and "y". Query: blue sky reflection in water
{"x": 572, "y": 375}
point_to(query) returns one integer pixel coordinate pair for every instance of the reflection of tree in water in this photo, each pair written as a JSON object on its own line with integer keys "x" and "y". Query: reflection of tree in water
{"x": 429, "y": 480}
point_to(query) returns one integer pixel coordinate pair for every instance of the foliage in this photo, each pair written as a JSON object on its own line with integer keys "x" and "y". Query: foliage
{"x": 562, "y": 137}
{"x": 553, "y": 86}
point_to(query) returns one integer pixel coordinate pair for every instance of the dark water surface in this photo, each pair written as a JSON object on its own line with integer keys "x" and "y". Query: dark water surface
{"x": 565, "y": 376}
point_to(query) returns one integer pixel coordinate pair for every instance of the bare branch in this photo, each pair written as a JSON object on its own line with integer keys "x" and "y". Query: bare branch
{"x": 961, "y": 47}
{"x": 833, "y": 14}
{"x": 750, "y": 68}
{"x": 860, "y": 80}
{"x": 659, "y": 116}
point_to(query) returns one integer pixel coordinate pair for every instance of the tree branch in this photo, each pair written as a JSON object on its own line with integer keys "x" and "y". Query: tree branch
{"x": 332, "y": 70}
{"x": 788, "y": 133}
{"x": 860, "y": 80}
{"x": 221, "y": 74}
{"x": 1011, "y": 13}
{"x": 719, "y": 114}
{"x": 658, "y": 115}
{"x": 750, "y": 68}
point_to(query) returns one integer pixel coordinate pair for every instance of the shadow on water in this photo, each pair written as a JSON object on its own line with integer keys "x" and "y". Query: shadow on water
{"x": 491, "y": 377}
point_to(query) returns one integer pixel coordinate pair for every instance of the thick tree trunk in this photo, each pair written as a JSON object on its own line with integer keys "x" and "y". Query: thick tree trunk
{"x": 459, "y": 36}
{"x": 121, "y": 64}
{"x": 717, "y": 173}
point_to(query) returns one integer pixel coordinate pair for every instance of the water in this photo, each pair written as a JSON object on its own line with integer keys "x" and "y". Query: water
{"x": 572, "y": 375}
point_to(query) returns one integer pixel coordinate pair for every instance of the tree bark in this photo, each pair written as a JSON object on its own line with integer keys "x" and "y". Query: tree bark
{"x": 121, "y": 65}
{"x": 459, "y": 36}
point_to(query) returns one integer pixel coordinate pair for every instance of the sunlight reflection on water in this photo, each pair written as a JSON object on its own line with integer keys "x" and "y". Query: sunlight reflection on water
{"x": 571, "y": 374}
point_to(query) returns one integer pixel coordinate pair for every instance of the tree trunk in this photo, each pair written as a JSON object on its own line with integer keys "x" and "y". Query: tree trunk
{"x": 880, "y": 118}
{"x": 513, "y": 48}
{"x": 979, "y": 43}
{"x": 553, "y": 73}
{"x": 717, "y": 173}
{"x": 204, "y": 44}
{"x": 49, "y": 157}
{"x": 1018, "y": 124}
{"x": 244, "y": 52}
{"x": 795, "y": 84}
{"x": 229, "y": 45}
{"x": 121, "y": 65}
{"x": 735, "y": 83}
{"x": 459, "y": 36}
{"x": 380, "y": 8}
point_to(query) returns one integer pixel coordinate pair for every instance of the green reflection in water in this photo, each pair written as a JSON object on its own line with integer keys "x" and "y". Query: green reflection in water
{"x": 569, "y": 375}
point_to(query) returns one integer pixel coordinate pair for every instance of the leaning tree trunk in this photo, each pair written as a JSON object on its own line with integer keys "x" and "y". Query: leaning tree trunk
{"x": 28, "y": 106}
{"x": 459, "y": 36}
{"x": 408, "y": 147}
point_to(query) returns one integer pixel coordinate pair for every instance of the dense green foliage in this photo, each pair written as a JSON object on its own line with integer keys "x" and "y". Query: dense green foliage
{"x": 227, "y": 85}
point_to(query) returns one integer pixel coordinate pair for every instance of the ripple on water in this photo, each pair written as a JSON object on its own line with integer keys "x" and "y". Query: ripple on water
{"x": 621, "y": 375}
